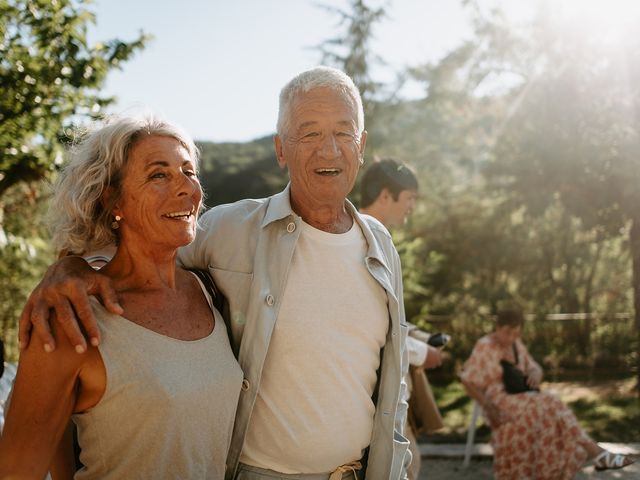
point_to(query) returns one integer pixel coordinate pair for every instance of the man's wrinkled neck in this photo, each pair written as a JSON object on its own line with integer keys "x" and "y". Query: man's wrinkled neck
{"x": 328, "y": 218}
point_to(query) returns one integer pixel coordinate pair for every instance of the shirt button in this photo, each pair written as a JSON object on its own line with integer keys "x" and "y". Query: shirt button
{"x": 291, "y": 227}
{"x": 270, "y": 300}
{"x": 245, "y": 385}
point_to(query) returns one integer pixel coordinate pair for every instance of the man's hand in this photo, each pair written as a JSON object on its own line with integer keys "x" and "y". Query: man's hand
{"x": 434, "y": 358}
{"x": 65, "y": 288}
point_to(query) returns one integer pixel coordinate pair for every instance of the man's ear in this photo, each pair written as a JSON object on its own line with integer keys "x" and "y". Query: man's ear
{"x": 385, "y": 195}
{"x": 363, "y": 143}
{"x": 277, "y": 143}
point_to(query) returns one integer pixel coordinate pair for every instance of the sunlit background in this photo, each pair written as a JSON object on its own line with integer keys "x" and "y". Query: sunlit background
{"x": 216, "y": 67}
{"x": 520, "y": 117}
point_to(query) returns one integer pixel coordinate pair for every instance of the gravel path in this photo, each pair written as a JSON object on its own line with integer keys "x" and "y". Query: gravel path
{"x": 441, "y": 469}
{"x": 451, "y": 469}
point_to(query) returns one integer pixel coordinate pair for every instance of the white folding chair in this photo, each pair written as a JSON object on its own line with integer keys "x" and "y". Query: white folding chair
{"x": 471, "y": 434}
{"x": 6, "y": 384}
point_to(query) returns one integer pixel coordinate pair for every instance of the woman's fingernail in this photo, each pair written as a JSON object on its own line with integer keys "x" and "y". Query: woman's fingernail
{"x": 94, "y": 341}
{"x": 48, "y": 347}
{"x": 80, "y": 349}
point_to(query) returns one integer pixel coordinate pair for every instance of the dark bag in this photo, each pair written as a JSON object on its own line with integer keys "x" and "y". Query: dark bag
{"x": 515, "y": 381}
{"x": 218, "y": 300}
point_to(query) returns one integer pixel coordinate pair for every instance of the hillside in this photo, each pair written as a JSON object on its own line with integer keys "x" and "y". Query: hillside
{"x": 231, "y": 171}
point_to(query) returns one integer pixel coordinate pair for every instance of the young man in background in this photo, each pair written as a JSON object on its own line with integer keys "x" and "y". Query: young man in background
{"x": 389, "y": 189}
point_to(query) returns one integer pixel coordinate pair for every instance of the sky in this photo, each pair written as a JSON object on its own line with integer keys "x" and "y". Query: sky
{"x": 216, "y": 67}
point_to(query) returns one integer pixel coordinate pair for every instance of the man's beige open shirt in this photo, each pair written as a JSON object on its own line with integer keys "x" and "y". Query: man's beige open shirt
{"x": 247, "y": 247}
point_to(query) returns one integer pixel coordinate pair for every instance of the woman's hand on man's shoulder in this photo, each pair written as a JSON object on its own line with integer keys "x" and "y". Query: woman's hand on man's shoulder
{"x": 65, "y": 290}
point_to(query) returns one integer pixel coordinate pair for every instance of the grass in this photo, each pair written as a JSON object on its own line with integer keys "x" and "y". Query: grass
{"x": 608, "y": 410}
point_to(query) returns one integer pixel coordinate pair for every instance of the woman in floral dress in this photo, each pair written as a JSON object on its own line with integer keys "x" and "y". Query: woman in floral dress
{"x": 534, "y": 435}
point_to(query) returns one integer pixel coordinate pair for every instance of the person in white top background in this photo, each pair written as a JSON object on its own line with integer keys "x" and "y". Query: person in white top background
{"x": 388, "y": 192}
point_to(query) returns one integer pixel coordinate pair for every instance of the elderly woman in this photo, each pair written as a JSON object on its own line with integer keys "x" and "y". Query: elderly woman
{"x": 534, "y": 435}
{"x": 157, "y": 398}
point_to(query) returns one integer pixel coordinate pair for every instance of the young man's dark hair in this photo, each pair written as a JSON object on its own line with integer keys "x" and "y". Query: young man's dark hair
{"x": 387, "y": 173}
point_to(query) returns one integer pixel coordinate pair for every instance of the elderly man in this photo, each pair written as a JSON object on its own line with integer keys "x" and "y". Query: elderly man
{"x": 314, "y": 295}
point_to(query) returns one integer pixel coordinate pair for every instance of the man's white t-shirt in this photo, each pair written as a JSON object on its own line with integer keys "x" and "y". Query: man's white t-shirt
{"x": 314, "y": 411}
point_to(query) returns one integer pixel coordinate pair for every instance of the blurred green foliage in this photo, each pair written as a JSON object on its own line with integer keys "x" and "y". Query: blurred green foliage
{"x": 50, "y": 79}
{"x": 24, "y": 256}
{"x": 231, "y": 171}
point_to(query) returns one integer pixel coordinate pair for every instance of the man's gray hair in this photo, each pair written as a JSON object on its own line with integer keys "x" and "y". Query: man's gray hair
{"x": 78, "y": 218}
{"x": 318, "y": 77}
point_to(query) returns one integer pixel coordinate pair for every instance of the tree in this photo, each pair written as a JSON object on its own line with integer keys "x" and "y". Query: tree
{"x": 50, "y": 79}
{"x": 352, "y": 51}
{"x": 24, "y": 256}
{"x": 572, "y": 133}
{"x": 476, "y": 241}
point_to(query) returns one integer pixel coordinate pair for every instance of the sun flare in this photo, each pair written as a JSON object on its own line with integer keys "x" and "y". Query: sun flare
{"x": 611, "y": 20}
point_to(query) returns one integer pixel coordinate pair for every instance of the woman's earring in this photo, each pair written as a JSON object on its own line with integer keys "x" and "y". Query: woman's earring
{"x": 115, "y": 225}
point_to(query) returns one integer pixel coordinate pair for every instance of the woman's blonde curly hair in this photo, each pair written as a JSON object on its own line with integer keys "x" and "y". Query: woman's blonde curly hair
{"x": 79, "y": 217}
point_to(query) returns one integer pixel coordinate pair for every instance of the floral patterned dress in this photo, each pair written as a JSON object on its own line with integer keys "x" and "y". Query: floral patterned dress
{"x": 542, "y": 440}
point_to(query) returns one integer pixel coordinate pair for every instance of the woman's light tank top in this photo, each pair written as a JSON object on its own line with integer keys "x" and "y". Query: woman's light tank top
{"x": 168, "y": 408}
